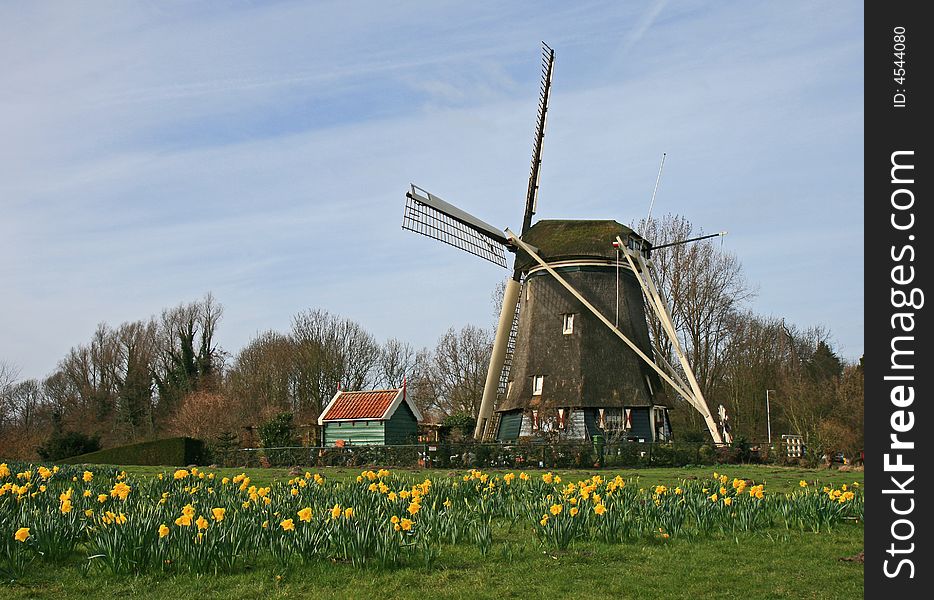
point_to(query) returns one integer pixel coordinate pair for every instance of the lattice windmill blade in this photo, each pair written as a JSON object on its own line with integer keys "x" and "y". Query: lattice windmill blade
{"x": 531, "y": 200}
{"x": 431, "y": 216}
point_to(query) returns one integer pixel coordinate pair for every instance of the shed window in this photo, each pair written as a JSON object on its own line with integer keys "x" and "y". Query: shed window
{"x": 537, "y": 383}
{"x": 568, "y": 324}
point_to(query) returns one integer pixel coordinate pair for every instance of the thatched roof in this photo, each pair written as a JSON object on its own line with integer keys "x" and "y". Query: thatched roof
{"x": 569, "y": 239}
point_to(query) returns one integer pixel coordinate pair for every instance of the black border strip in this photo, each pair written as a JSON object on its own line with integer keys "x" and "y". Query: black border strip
{"x": 894, "y": 125}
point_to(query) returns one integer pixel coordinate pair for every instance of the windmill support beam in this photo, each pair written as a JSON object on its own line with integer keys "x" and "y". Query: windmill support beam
{"x": 658, "y": 306}
{"x": 498, "y": 357}
{"x": 632, "y": 345}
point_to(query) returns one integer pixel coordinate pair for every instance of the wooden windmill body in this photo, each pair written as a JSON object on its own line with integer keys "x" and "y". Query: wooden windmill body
{"x": 572, "y": 357}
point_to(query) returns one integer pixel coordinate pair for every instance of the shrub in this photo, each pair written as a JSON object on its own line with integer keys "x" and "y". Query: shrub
{"x": 68, "y": 444}
{"x": 179, "y": 451}
{"x": 278, "y": 433}
{"x": 458, "y": 427}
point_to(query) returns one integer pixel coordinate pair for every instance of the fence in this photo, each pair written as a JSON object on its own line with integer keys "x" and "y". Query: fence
{"x": 461, "y": 455}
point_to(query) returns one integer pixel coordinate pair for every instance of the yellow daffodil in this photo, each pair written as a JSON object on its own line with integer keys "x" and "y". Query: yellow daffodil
{"x": 183, "y": 521}
{"x": 120, "y": 490}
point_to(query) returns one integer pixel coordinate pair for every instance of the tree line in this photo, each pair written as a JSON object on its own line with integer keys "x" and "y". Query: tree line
{"x": 168, "y": 375}
{"x": 739, "y": 355}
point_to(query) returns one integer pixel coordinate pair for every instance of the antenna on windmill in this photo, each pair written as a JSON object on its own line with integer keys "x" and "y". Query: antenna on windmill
{"x": 658, "y": 178}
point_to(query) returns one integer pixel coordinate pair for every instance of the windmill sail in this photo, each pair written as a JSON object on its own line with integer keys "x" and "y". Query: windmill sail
{"x": 531, "y": 200}
{"x": 431, "y": 216}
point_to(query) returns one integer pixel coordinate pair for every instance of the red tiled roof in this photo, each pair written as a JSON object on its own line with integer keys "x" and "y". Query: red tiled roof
{"x": 360, "y": 405}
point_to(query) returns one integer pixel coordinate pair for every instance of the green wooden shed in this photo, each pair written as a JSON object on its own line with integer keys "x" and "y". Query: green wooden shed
{"x": 369, "y": 418}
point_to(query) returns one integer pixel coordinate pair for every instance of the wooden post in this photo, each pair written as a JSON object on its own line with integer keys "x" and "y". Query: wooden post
{"x": 498, "y": 357}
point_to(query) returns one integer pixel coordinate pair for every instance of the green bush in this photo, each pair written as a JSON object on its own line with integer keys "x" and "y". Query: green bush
{"x": 178, "y": 451}
{"x": 68, "y": 444}
{"x": 278, "y": 433}
{"x": 458, "y": 426}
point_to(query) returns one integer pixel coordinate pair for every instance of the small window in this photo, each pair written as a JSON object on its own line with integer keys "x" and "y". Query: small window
{"x": 568, "y": 327}
{"x": 537, "y": 383}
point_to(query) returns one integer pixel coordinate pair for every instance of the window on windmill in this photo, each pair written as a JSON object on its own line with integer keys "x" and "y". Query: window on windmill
{"x": 537, "y": 383}
{"x": 568, "y": 324}
{"x": 634, "y": 243}
{"x": 614, "y": 420}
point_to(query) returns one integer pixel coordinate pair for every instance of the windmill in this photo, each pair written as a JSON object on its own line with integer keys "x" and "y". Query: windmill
{"x": 560, "y": 366}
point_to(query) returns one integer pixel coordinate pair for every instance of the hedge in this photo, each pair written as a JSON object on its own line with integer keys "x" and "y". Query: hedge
{"x": 178, "y": 451}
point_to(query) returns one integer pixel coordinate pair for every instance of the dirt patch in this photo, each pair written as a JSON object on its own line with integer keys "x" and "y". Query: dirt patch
{"x": 857, "y": 558}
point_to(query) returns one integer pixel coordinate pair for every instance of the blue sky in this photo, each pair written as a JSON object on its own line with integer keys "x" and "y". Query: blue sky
{"x": 154, "y": 151}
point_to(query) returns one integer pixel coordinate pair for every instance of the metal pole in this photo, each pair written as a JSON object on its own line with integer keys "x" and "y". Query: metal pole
{"x": 655, "y": 191}
{"x": 617, "y": 285}
{"x": 768, "y": 416}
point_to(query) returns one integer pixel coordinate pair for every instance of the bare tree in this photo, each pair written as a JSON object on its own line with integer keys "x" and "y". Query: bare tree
{"x": 262, "y": 380}
{"x": 754, "y": 360}
{"x": 27, "y": 398}
{"x": 188, "y": 356}
{"x": 704, "y": 287}
{"x": 397, "y": 359}
{"x": 9, "y": 373}
{"x": 137, "y": 350}
{"x": 458, "y": 371}
{"x": 329, "y": 352}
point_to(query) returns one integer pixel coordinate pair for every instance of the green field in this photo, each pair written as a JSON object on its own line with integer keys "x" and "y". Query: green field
{"x": 774, "y": 563}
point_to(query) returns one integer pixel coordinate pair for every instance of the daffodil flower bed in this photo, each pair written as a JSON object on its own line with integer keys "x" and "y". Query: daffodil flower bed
{"x": 198, "y": 521}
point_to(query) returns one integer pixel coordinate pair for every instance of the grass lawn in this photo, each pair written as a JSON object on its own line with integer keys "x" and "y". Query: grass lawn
{"x": 766, "y": 564}
{"x": 780, "y": 565}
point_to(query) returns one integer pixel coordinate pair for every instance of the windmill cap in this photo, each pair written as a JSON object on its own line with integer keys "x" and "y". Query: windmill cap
{"x": 565, "y": 239}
